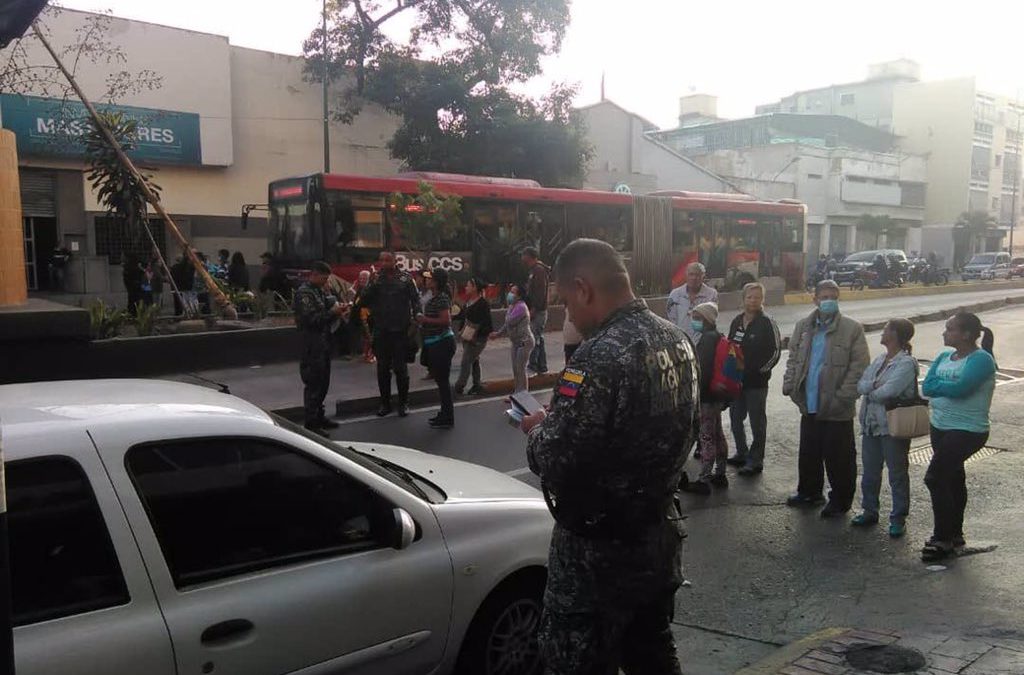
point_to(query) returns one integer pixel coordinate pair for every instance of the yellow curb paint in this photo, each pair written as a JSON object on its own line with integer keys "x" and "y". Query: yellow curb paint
{"x": 783, "y": 656}
{"x": 804, "y": 298}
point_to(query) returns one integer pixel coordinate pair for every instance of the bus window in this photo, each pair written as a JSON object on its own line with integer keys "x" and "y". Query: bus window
{"x": 496, "y": 243}
{"x": 613, "y": 224}
{"x": 293, "y": 235}
{"x": 355, "y": 221}
{"x": 544, "y": 226}
{"x": 684, "y": 233}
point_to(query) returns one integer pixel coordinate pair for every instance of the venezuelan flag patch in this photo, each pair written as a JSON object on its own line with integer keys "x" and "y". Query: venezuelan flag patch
{"x": 571, "y": 381}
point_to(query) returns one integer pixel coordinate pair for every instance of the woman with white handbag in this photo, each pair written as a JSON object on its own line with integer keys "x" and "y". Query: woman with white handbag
{"x": 476, "y": 327}
{"x": 891, "y": 378}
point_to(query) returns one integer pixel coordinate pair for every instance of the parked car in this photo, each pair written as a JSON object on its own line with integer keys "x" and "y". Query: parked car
{"x": 997, "y": 271}
{"x": 160, "y": 528}
{"x": 1017, "y": 267}
{"x": 849, "y": 269}
{"x": 983, "y": 262}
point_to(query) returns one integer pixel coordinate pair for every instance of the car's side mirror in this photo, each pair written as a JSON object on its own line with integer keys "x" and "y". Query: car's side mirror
{"x": 404, "y": 532}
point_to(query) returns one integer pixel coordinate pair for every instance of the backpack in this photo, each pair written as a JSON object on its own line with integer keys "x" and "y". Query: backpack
{"x": 727, "y": 376}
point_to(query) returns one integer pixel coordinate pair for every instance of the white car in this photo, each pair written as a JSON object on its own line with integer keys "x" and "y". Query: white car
{"x": 160, "y": 528}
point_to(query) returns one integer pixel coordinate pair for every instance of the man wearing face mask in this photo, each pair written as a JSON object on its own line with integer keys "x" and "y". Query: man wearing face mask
{"x": 608, "y": 456}
{"x": 827, "y": 355}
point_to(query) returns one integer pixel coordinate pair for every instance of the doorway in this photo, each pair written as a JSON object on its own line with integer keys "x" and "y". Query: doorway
{"x": 40, "y": 242}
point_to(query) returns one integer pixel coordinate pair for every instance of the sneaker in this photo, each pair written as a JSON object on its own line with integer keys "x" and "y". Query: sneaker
{"x": 440, "y": 423}
{"x": 328, "y": 424}
{"x": 737, "y": 460}
{"x": 799, "y": 500}
{"x": 697, "y": 488}
{"x": 750, "y": 470}
{"x": 864, "y": 520}
{"x": 720, "y": 481}
{"x": 384, "y": 411}
{"x": 403, "y": 409}
{"x": 475, "y": 390}
{"x": 897, "y": 530}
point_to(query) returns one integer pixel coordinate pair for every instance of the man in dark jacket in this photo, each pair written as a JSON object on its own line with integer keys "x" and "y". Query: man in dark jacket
{"x": 537, "y": 301}
{"x": 758, "y": 336}
{"x": 393, "y": 302}
{"x": 315, "y": 311}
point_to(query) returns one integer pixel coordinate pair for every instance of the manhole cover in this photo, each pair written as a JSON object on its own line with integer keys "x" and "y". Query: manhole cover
{"x": 885, "y": 658}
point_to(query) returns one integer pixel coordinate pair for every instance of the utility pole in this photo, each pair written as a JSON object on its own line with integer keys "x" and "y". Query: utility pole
{"x": 327, "y": 130}
{"x": 1016, "y": 174}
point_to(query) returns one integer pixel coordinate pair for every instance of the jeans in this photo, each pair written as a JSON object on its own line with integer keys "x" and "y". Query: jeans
{"x": 830, "y": 443}
{"x": 471, "y": 352}
{"x": 391, "y": 349}
{"x": 713, "y": 448}
{"x": 947, "y": 481}
{"x": 439, "y": 360}
{"x": 895, "y": 453}
{"x": 752, "y": 403}
{"x": 520, "y": 355}
{"x": 538, "y": 357}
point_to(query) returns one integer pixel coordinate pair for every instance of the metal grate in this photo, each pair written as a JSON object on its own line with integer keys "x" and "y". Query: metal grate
{"x": 922, "y": 454}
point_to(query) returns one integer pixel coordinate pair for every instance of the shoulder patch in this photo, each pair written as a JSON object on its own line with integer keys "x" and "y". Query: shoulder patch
{"x": 571, "y": 381}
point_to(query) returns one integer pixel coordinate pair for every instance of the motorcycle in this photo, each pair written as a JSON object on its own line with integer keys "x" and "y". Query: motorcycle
{"x": 921, "y": 271}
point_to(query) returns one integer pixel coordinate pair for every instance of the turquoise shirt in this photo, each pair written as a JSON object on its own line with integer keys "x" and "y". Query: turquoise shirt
{"x": 818, "y": 343}
{"x": 960, "y": 391}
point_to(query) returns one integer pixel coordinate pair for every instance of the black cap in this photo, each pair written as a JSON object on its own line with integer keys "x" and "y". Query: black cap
{"x": 321, "y": 267}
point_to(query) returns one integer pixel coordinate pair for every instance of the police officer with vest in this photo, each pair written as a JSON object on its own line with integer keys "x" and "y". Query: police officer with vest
{"x": 609, "y": 452}
{"x": 315, "y": 313}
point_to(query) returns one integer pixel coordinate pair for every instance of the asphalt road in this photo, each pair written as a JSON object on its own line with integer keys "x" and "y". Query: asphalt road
{"x": 763, "y": 574}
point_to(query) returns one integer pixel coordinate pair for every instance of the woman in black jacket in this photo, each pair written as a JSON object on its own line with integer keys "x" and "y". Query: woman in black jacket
{"x": 238, "y": 273}
{"x": 477, "y": 325}
{"x": 758, "y": 336}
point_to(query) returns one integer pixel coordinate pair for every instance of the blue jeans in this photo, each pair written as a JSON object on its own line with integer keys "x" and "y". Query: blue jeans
{"x": 895, "y": 453}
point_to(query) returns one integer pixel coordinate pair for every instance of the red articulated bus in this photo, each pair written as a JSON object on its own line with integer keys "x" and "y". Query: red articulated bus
{"x": 345, "y": 220}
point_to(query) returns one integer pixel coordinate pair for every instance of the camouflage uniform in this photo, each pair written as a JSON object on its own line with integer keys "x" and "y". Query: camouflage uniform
{"x": 610, "y": 455}
{"x": 314, "y": 318}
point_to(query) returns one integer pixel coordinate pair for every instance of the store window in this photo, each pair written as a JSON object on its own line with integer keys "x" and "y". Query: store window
{"x": 116, "y": 240}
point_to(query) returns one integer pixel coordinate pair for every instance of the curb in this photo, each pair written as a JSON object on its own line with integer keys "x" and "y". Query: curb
{"x": 939, "y": 315}
{"x": 804, "y": 298}
{"x": 785, "y": 655}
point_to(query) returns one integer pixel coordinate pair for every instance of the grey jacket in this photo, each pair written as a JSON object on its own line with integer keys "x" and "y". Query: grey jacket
{"x": 846, "y": 357}
{"x": 898, "y": 381}
{"x": 517, "y": 330}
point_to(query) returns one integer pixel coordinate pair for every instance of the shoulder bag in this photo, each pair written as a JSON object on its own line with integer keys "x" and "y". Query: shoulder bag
{"x": 908, "y": 417}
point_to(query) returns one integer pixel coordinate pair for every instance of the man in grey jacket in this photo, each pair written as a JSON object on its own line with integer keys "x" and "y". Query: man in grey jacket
{"x": 827, "y": 355}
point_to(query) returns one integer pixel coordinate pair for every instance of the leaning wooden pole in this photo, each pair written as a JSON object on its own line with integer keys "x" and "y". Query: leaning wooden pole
{"x": 226, "y": 308}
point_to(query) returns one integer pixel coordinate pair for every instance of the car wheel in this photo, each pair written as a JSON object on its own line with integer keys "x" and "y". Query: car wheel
{"x": 502, "y": 640}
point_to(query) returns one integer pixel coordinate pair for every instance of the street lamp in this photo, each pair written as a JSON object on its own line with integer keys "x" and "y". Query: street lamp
{"x": 327, "y": 131}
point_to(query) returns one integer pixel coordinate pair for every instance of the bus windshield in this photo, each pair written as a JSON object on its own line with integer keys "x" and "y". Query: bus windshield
{"x": 292, "y": 233}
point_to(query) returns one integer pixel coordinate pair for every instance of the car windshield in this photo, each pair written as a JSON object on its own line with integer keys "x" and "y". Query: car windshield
{"x": 400, "y": 476}
{"x": 864, "y": 256}
{"x": 984, "y": 259}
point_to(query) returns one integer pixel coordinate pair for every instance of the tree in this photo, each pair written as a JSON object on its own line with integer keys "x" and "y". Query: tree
{"x": 452, "y": 83}
{"x": 116, "y": 187}
{"x": 425, "y": 219}
{"x": 976, "y": 221}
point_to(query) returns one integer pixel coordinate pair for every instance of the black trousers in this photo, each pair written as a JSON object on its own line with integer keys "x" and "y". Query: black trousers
{"x": 947, "y": 481}
{"x": 828, "y": 446}
{"x": 599, "y": 642}
{"x": 391, "y": 349}
{"x": 315, "y": 371}
{"x": 439, "y": 361}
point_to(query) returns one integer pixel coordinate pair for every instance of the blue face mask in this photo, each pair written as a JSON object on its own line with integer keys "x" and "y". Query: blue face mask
{"x": 697, "y": 325}
{"x": 828, "y": 307}
{"x": 511, "y": 297}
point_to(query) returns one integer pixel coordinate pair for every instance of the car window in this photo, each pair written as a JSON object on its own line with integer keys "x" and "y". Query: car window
{"x": 225, "y": 506}
{"x": 865, "y": 256}
{"x": 987, "y": 259}
{"x": 62, "y": 560}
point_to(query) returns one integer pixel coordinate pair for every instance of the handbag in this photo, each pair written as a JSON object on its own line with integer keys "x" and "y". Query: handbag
{"x": 908, "y": 417}
{"x": 468, "y": 333}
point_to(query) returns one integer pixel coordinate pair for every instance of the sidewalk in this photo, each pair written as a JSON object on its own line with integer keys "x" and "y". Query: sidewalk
{"x": 354, "y": 389}
{"x": 842, "y": 651}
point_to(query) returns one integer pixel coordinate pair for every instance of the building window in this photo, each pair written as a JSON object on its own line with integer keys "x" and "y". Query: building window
{"x": 847, "y": 99}
{"x": 913, "y": 194}
{"x": 980, "y": 162}
{"x": 856, "y": 179}
{"x": 995, "y": 203}
{"x": 1010, "y": 169}
{"x": 814, "y": 176}
{"x": 115, "y": 239}
{"x": 983, "y": 128}
{"x": 999, "y": 161}
{"x": 62, "y": 560}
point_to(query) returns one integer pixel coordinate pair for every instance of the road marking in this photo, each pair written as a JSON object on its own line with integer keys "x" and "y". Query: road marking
{"x": 420, "y": 411}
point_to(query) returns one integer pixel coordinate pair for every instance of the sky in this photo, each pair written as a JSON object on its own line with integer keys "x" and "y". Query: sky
{"x": 651, "y": 52}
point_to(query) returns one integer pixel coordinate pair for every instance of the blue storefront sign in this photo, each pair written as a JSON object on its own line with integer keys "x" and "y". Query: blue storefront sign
{"x": 47, "y": 127}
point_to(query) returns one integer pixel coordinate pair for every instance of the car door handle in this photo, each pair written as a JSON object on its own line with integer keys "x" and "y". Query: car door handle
{"x": 225, "y": 631}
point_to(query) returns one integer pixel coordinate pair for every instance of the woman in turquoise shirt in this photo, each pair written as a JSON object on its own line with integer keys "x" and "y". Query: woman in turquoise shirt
{"x": 960, "y": 384}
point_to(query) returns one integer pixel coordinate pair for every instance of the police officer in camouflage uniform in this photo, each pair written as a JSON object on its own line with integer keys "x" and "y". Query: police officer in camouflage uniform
{"x": 315, "y": 312}
{"x": 610, "y": 452}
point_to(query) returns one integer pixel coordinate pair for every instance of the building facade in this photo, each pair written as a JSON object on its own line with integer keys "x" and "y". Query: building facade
{"x": 860, "y": 192}
{"x": 224, "y": 123}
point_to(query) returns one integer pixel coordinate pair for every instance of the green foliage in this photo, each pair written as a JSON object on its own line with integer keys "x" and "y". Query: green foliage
{"x": 105, "y": 322}
{"x": 976, "y": 220}
{"x": 117, "y": 188}
{"x": 145, "y": 318}
{"x": 452, "y": 84}
{"x": 426, "y": 218}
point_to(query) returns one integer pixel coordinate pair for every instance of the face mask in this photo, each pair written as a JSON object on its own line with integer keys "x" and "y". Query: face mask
{"x": 828, "y": 307}
{"x": 511, "y": 297}
{"x": 697, "y": 325}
